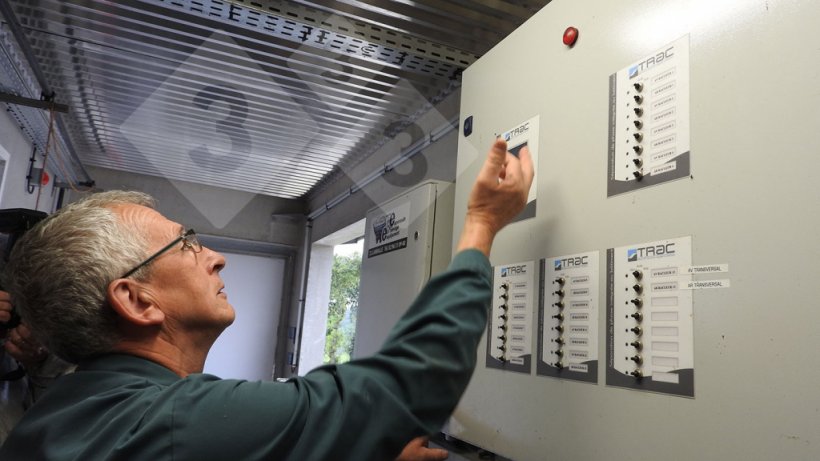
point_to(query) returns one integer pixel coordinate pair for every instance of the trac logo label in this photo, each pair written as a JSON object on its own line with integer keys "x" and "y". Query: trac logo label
{"x": 513, "y": 270}
{"x": 569, "y": 263}
{"x": 517, "y": 131}
{"x": 651, "y": 62}
{"x": 656, "y": 251}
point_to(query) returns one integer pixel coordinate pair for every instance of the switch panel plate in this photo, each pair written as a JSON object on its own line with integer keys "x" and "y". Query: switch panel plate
{"x": 509, "y": 331}
{"x": 568, "y": 317}
{"x": 650, "y": 317}
{"x": 523, "y": 134}
{"x": 649, "y": 120}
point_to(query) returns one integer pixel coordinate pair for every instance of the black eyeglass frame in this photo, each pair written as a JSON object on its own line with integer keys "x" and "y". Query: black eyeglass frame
{"x": 188, "y": 236}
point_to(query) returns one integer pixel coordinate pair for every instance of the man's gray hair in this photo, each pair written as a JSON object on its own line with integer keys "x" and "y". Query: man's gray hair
{"x": 59, "y": 271}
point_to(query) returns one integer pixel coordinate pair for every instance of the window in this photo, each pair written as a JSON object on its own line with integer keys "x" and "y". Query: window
{"x": 343, "y": 303}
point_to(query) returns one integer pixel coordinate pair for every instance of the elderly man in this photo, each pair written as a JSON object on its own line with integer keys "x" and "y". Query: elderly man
{"x": 135, "y": 300}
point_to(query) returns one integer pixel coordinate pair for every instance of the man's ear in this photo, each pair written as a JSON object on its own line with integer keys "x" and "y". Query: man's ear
{"x": 130, "y": 303}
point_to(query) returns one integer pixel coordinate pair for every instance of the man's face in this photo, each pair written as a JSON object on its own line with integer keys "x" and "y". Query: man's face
{"x": 185, "y": 285}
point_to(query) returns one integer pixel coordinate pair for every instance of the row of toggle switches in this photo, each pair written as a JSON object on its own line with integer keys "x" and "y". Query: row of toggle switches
{"x": 559, "y": 328}
{"x": 638, "y": 135}
{"x": 505, "y": 296}
{"x": 637, "y": 330}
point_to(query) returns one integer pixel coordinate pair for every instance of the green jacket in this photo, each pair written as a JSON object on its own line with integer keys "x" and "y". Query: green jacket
{"x": 125, "y": 407}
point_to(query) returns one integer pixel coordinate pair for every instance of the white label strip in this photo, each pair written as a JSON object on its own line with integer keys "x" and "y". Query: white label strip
{"x": 580, "y": 367}
{"x": 708, "y": 269}
{"x": 705, "y": 284}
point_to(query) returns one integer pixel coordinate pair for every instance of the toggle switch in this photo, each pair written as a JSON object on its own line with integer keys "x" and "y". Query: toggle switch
{"x": 559, "y": 328}
{"x": 559, "y": 340}
{"x": 559, "y": 293}
{"x": 638, "y": 86}
{"x": 559, "y": 365}
{"x": 638, "y": 111}
{"x": 638, "y": 136}
{"x": 637, "y": 316}
{"x": 559, "y": 353}
{"x": 502, "y": 348}
{"x": 504, "y": 296}
{"x": 636, "y": 330}
{"x": 501, "y": 357}
{"x": 502, "y": 337}
{"x": 637, "y": 373}
{"x": 638, "y": 124}
{"x": 502, "y": 328}
{"x": 638, "y": 302}
{"x": 638, "y": 162}
{"x": 503, "y": 317}
{"x": 637, "y": 359}
{"x": 637, "y": 274}
{"x": 559, "y": 316}
{"x": 560, "y": 281}
{"x": 636, "y": 344}
{"x": 638, "y": 149}
{"x": 505, "y": 286}
{"x": 638, "y": 288}
{"x": 559, "y": 304}
{"x": 638, "y": 99}
{"x": 503, "y": 307}
{"x": 638, "y": 175}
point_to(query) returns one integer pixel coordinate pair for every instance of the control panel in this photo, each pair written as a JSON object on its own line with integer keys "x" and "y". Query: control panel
{"x": 662, "y": 125}
{"x": 568, "y": 317}
{"x": 509, "y": 331}
{"x": 650, "y": 317}
{"x": 649, "y": 120}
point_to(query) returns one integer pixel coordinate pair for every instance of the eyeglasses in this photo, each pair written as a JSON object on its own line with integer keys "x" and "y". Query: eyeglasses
{"x": 189, "y": 242}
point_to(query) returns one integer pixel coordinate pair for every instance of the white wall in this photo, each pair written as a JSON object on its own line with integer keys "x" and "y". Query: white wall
{"x": 249, "y": 218}
{"x": 246, "y": 349}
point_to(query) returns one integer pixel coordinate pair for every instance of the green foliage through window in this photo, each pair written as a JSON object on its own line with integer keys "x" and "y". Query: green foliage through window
{"x": 342, "y": 309}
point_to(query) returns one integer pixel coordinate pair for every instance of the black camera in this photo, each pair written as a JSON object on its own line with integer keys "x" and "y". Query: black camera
{"x": 14, "y": 222}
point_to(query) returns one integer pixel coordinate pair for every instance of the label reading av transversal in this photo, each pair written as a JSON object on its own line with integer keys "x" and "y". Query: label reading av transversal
{"x": 707, "y": 269}
{"x": 705, "y": 284}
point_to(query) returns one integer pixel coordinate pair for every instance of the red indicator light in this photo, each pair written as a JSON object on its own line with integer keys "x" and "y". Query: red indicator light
{"x": 570, "y": 36}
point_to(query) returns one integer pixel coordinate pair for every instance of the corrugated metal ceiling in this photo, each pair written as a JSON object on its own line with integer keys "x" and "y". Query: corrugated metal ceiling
{"x": 269, "y": 97}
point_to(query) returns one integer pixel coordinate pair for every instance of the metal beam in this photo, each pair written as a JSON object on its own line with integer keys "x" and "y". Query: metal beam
{"x": 30, "y": 102}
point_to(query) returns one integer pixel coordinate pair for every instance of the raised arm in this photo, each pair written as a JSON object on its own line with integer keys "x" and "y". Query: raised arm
{"x": 498, "y": 195}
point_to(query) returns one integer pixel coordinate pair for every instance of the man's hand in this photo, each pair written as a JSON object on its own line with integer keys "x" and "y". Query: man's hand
{"x": 417, "y": 450}
{"x": 5, "y": 307}
{"x": 498, "y": 195}
{"x": 21, "y": 345}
